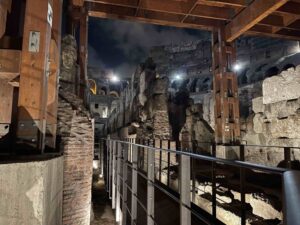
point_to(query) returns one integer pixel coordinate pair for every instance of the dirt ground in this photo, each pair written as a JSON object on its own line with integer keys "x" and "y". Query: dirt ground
{"x": 103, "y": 213}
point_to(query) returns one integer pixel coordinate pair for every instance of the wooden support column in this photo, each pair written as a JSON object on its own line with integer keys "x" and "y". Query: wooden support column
{"x": 34, "y": 74}
{"x": 227, "y": 121}
{"x": 83, "y": 48}
{"x": 55, "y": 48}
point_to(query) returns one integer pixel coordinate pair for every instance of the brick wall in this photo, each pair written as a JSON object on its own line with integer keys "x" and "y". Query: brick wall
{"x": 77, "y": 142}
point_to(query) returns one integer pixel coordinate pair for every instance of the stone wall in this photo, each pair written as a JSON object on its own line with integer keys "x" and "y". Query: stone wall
{"x": 77, "y": 142}
{"x": 276, "y": 119}
{"x": 31, "y": 192}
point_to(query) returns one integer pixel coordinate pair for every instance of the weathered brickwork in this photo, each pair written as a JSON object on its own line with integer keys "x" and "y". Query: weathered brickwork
{"x": 77, "y": 142}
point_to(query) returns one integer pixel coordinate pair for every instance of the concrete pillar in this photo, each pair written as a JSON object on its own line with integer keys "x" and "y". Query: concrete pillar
{"x": 185, "y": 190}
{"x": 134, "y": 184}
{"x": 150, "y": 186}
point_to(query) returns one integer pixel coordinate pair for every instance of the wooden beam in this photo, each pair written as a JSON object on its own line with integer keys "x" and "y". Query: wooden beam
{"x": 34, "y": 74}
{"x": 250, "y": 16}
{"x": 225, "y": 89}
{"x": 52, "y": 101}
{"x": 203, "y": 24}
{"x": 77, "y": 3}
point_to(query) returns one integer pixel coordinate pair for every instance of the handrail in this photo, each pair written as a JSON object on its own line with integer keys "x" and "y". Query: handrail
{"x": 291, "y": 187}
{"x": 118, "y": 158}
{"x": 236, "y": 163}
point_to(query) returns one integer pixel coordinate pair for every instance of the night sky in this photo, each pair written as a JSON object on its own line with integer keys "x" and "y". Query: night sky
{"x": 121, "y": 45}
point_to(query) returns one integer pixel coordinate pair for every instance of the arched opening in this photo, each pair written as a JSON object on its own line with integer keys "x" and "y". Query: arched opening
{"x": 271, "y": 72}
{"x": 287, "y": 66}
{"x": 114, "y": 94}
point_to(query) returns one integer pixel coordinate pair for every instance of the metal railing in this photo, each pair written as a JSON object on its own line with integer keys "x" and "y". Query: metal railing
{"x": 135, "y": 172}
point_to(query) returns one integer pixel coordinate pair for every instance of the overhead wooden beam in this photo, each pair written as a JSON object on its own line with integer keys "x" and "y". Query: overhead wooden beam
{"x": 204, "y": 24}
{"x": 250, "y": 16}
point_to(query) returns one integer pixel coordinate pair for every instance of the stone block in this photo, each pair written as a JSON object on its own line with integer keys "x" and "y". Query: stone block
{"x": 258, "y": 123}
{"x": 257, "y": 105}
{"x": 285, "y": 86}
{"x": 227, "y": 152}
{"x": 285, "y": 128}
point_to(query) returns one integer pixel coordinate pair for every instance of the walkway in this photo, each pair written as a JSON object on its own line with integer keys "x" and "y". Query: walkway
{"x": 103, "y": 214}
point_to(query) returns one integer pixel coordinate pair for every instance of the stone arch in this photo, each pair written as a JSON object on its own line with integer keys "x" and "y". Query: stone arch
{"x": 114, "y": 94}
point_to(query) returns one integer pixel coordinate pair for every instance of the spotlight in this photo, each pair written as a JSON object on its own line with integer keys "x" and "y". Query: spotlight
{"x": 178, "y": 76}
{"x": 114, "y": 78}
{"x": 237, "y": 67}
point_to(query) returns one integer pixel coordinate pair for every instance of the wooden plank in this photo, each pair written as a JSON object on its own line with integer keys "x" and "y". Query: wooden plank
{"x": 3, "y": 14}
{"x": 6, "y": 101}
{"x": 250, "y": 16}
{"x": 10, "y": 62}
{"x": 34, "y": 74}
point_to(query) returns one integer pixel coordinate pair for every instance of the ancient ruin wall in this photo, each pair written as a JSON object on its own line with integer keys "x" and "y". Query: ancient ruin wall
{"x": 276, "y": 118}
{"x": 77, "y": 142}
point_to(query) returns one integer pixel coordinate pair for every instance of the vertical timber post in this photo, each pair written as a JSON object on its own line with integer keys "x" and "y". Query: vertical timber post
{"x": 225, "y": 88}
{"x": 34, "y": 74}
{"x": 150, "y": 186}
{"x": 185, "y": 190}
{"x": 134, "y": 184}
{"x": 52, "y": 101}
{"x": 118, "y": 175}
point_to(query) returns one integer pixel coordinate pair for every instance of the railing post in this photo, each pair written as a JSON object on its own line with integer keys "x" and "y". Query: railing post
{"x": 124, "y": 203}
{"x": 242, "y": 186}
{"x": 169, "y": 159}
{"x": 185, "y": 190}
{"x": 118, "y": 200}
{"x": 214, "y": 188}
{"x": 114, "y": 165}
{"x": 287, "y": 157}
{"x": 134, "y": 184}
{"x": 110, "y": 169}
{"x": 150, "y": 186}
{"x": 107, "y": 167}
{"x": 160, "y": 159}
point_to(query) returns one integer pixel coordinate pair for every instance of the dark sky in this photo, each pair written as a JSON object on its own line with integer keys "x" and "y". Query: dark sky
{"x": 122, "y": 45}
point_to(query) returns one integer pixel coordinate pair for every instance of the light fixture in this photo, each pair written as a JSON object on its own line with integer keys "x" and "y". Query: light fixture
{"x": 114, "y": 78}
{"x": 237, "y": 67}
{"x": 178, "y": 76}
